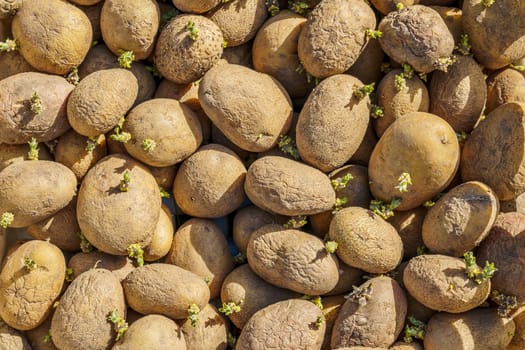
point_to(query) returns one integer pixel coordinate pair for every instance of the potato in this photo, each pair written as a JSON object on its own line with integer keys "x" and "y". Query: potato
{"x": 34, "y": 190}
{"x": 163, "y": 132}
{"x": 93, "y": 14}
{"x": 290, "y": 322}
{"x": 187, "y": 47}
{"x": 480, "y": 329}
{"x": 22, "y": 93}
{"x": 507, "y": 85}
{"x": 58, "y": 53}
{"x": 481, "y": 23}
{"x": 367, "y": 67}
{"x": 241, "y": 55}
{"x": 372, "y": 316}
{"x": 425, "y": 51}
{"x": 405, "y": 346}
{"x": 517, "y": 204}
{"x": 8, "y": 8}
{"x": 421, "y": 145}
{"x": 13, "y": 63}
{"x": 247, "y": 220}
{"x": 518, "y": 341}
{"x": 292, "y": 259}
{"x": 451, "y": 15}
{"x": 120, "y": 266}
{"x": 100, "y": 99}
{"x": 3, "y": 244}
{"x": 210, "y": 332}
{"x": 334, "y": 36}
{"x": 85, "y": 2}
{"x": 10, "y": 154}
{"x": 287, "y": 187}
{"x": 10, "y": 338}
{"x": 331, "y": 307}
{"x": 255, "y": 122}
{"x": 321, "y": 140}
{"x": 130, "y": 26}
{"x": 386, "y": 6}
{"x": 198, "y": 6}
{"x": 348, "y": 277}
{"x": 39, "y": 338}
{"x": 362, "y": 155}
{"x": 397, "y": 101}
{"x": 164, "y": 176}
{"x": 496, "y": 141}
{"x": 113, "y": 212}
{"x": 162, "y": 237}
{"x": 461, "y": 219}
{"x": 408, "y": 226}
{"x": 200, "y": 246}
{"x": 80, "y": 319}
{"x": 165, "y": 289}
{"x": 184, "y": 93}
{"x": 441, "y": 283}
{"x": 152, "y": 332}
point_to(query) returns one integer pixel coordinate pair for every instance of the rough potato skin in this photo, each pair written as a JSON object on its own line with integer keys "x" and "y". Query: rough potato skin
{"x": 440, "y": 283}
{"x": 506, "y": 85}
{"x": 416, "y": 35}
{"x": 406, "y": 346}
{"x": 47, "y": 188}
{"x": 27, "y": 296}
{"x": 61, "y": 40}
{"x": 110, "y": 219}
{"x": 80, "y": 320}
{"x": 287, "y": 187}
{"x": 120, "y": 266}
{"x": 164, "y": 289}
{"x": 333, "y": 36}
{"x": 495, "y": 51}
{"x": 378, "y": 323}
{"x": 255, "y": 122}
{"x": 493, "y": 152}
{"x": 367, "y": 67}
{"x": 332, "y": 123}
{"x": 100, "y": 99}
{"x": 195, "y": 6}
{"x": 18, "y": 124}
{"x": 152, "y": 332}
{"x": 10, "y": 338}
{"x": 366, "y": 241}
{"x": 211, "y": 332}
{"x": 162, "y": 237}
{"x": 479, "y": 329}
{"x": 183, "y": 60}
{"x": 292, "y": 259}
{"x": 130, "y": 25}
{"x": 285, "y": 325}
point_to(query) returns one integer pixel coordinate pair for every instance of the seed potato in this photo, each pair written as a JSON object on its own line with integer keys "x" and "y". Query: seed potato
{"x": 13, "y": 63}
{"x": 162, "y": 237}
{"x": 197, "y": 6}
{"x": 10, "y": 154}
{"x": 79, "y": 263}
{"x": 506, "y": 85}
{"x": 210, "y": 333}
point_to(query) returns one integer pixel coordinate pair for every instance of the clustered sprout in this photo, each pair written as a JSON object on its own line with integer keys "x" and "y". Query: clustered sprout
{"x": 30, "y": 264}
{"x": 33, "y": 149}
{"x": 385, "y": 210}
{"x": 164, "y": 193}
{"x": 9, "y": 45}
{"x": 487, "y": 3}
{"x": 421, "y": 250}
{"x": 376, "y": 111}
{"x": 229, "y": 308}
{"x": 475, "y": 272}
{"x": 360, "y": 295}
{"x": 125, "y": 181}
{"x": 239, "y": 258}
{"x": 363, "y": 91}
{"x": 429, "y": 204}
{"x": 135, "y": 251}
{"x": 119, "y": 324}
{"x": 414, "y": 329}
{"x": 506, "y": 303}
{"x": 47, "y": 338}
{"x": 404, "y": 180}
{"x": 72, "y": 77}
{"x": 461, "y": 136}
{"x": 91, "y": 144}
{"x": 443, "y": 63}
{"x": 315, "y": 299}
{"x": 148, "y": 145}
{"x": 272, "y": 6}
{"x": 193, "y": 32}
{"x": 69, "y": 273}
{"x": 224, "y": 44}
{"x": 385, "y": 67}
{"x": 319, "y": 321}
{"x": 309, "y": 78}
{"x": 331, "y": 246}
{"x": 118, "y": 134}
{"x": 295, "y": 222}
{"x": 339, "y": 204}
{"x": 299, "y": 7}
{"x": 167, "y": 16}
{"x": 341, "y": 182}
{"x": 287, "y": 145}
{"x": 232, "y": 340}
{"x": 126, "y": 58}
{"x": 85, "y": 246}
{"x": 373, "y": 34}
{"x": 153, "y": 70}
{"x": 35, "y": 103}
{"x": 464, "y": 45}
{"x": 400, "y": 79}
{"x": 193, "y": 314}
{"x": 400, "y": 6}
{"x": 6, "y": 219}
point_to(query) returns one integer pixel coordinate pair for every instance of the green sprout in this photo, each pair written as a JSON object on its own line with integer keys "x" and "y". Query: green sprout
{"x": 125, "y": 59}
{"x": 239, "y": 258}
{"x": 47, "y": 338}
{"x": 385, "y": 210}
{"x": 331, "y": 246}
{"x": 148, "y": 145}
{"x": 154, "y": 71}
{"x": 517, "y": 67}
{"x": 85, "y": 246}
{"x": 9, "y": 45}
{"x": 408, "y": 71}
{"x": 487, "y": 3}
{"x": 298, "y": 7}
{"x": 399, "y": 82}
{"x": 414, "y": 329}
{"x": 164, "y": 193}
{"x": 295, "y": 222}
{"x": 118, "y": 134}
{"x": 429, "y": 204}
{"x": 461, "y": 136}
{"x": 91, "y": 144}
{"x": 167, "y": 16}
{"x": 506, "y": 303}
{"x": 377, "y": 112}
{"x": 341, "y": 182}
{"x": 94, "y": 43}
{"x": 273, "y": 7}
{"x": 404, "y": 180}
{"x": 72, "y": 77}
{"x": 421, "y": 250}
{"x": 360, "y": 295}
{"x": 224, "y": 44}
{"x": 69, "y": 272}
{"x": 363, "y": 91}
{"x": 232, "y": 340}
{"x": 287, "y": 145}
{"x": 385, "y": 67}
{"x": 119, "y": 324}
{"x": 315, "y": 299}
{"x": 373, "y": 34}
{"x": 33, "y": 149}
{"x": 423, "y": 76}
{"x": 400, "y": 6}
{"x": 309, "y": 78}
{"x": 339, "y": 204}
{"x": 464, "y": 44}
{"x": 193, "y": 32}
{"x": 229, "y": 308}
{"x": 125, "y": 181}
{"x": 6, "y": 219}
{"x": 135, "y": 251}
{"x": 319, "y": 321}
{"x": 36, "y": 103}
{"x": 475, "y": 272}
{"x": 443, "y": 63}
{"x": 30, "y": 264}
{"x": 193, "y": 314}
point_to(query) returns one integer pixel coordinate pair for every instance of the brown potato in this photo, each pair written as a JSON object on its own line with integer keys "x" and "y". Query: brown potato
{"x": 451, "y": 15}
{"x": 363, "y": 153}
{"x": 13, "y": 63}
{"x": 164, "y": 176}
{"x": 96, "y": 293}
{"x": 518, "y": 341}
{"x": 367, "y": 67}
{"x": 386, "y": 6}
{"x": 38, "y": 337}
{"x": 348, "y": 277}
{"x": 247, "y": 220}
{"x": 506, "y": 85}
{"x": 10, "y": 154}
{"x": 198, "y": 6}
{"x": 406, "y": 346}
{"x": 3, "y": 245}
{"x": 10, "y": 338}
{"x": 58, "y": 53}
{"x": 120, "y": 266}
{"x": 85, "y": 2}
{"x": 408, "y": 226}
{"x": 253, "y": 123}
{"x": 331, "y": 307}
{"x": 241, "y": 55}
{"x": 210, "y": 332}
{"x": 93, "y": 13}
{"x": 162, "y": 237}
{"x": 184, "y": 93}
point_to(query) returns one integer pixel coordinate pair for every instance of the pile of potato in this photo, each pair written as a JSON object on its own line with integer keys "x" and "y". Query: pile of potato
{"x": 262, "y": 174}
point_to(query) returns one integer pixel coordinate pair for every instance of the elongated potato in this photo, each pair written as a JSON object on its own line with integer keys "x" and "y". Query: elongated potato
{"x": 79, "y": 263}
{"x": 210, "y": 332}
{"x": 162, "y": 237}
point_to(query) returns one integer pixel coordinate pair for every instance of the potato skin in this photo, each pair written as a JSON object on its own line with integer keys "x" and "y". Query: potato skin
{"x": 18, "y": 124}
{"x": 506, "y": 85}
{"x": 13, "y": 63}
{"x": 408, "y": 226}
{"x": 210, "y": 332}
{"x": 8, "y": 8}
{"x": 247, "y": 220}
{"x": 60, "y": 52}
{"x": 10, "y": 154}
{"x": 162, "y": 237}
{"x": 305, "y": 190}
{"x": 47, "y": 188}
{"x": 196, "y": 6}
{"x": 80, "y": 320}
{"x": 120, "y": 266}
{"x": 284, "y": 325}
{"x": 12, "y": 339}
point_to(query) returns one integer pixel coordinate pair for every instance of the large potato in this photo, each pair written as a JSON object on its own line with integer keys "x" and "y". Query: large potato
{"x": 195, "y": 6}
{"x": 255, "y": 122}
{"x": 210, "y": 333}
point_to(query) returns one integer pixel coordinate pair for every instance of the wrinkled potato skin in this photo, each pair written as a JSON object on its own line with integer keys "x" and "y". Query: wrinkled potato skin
{"x": 27, "y": 297}
{"x": 120, "y": 266}
{"x": 195, "y": 6}
{"x": 47, "y": 188}
{"x": 61, "y": 41}
{"x": 247, "y": 220}
{"x": 10, "y": 338}
{"x": 507, "y": 85}
{"x": 10, "y": 154}
{"x": 493, "y": 152}
{"x": 210, "y": 332}
{"x": 18, "y": 124}
{"x": 255, "y": 122}
{"x": 13, "y": 63}
{"x": 306, "y": 190}
{"x": 162, "y": 237}
{"x": 408, "y": 224}
{"x": 285, "y": 325}
{"x": 332, "y": 123}
{"x": 333, "y": 37}
{"x": 428, "y": 278}
{"x": 80, "y": 320}
{"x": 378, "y": 323}
{"x": 416, "y": 35}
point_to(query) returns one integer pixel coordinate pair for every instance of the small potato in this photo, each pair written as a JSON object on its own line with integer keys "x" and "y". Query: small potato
{"x": 34, "y": 190}
{"x": 33, "y": 105}
{"x": 198, "y": 6}
{"x": 362, "y": 155}
{"x": 290, "y": 322}
{"x": 247, "y": 220}
{"x": 210, "y": 331}
{"x": 405, "y": 346}
{"x": 30, "y": 282}
{"x": 120, "y": 266}
{"x": 348, "y": 277}
{"x": 166, "y": 290}
{"x": 287, "y": 187}
{"x": 39, "y": 338}
{"x": 367, "y": 67}
{"x": 13, "y": 63}
{"x": 292, "y": 259}
{"x": 408, "y": 224}
{"x": 506, "y": 85}
{"x": 373, "y": 315}
{"x": 441, "y": 283}
{"x": 80, "y": 319}
{"x": 10, "y": 154}
{"x": 85, "y": 2}
{"x": 162, "y": 237}
{"x": 11, "y": 339}
{"x": 331, "y": 307}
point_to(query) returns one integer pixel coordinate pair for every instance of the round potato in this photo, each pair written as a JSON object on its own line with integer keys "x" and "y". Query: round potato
{"x": 255, "y": 122}
{"x": 10, "y": 338}
{"x": 451, "y": 15}
{"x": 210, "y": 332}
{"x": 241, "y": 55}
{"x": 93, "y": 14}
{"x": 331, "y": 307}
{"x": 197, "y": 6}
{"x": 507, "y": 85}
{"x": 10, "y": 154}
{"x": 13, "y": 63}
{"x": 348, "y": 277}
{"x": 162, "y": 237}
{"x": 247, "y": 220}
{"x": 362, "y": 155}
{"x": 408, "y": 225}
{"x": 79, "y": 263}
